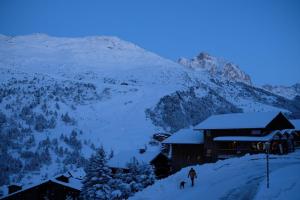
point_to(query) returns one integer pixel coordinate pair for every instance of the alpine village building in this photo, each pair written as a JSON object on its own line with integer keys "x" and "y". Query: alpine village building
{"x": 229, "y": 135}
{"x": 63, "y": 186}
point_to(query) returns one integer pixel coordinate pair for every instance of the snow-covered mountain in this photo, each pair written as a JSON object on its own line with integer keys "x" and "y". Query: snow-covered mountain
{"x": 62, "y": 97}
{"x": 217, "y": 67}
{"x": 285, "y": 91}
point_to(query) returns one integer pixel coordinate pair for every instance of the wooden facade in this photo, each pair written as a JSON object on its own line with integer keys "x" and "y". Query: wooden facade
{"x": 183, "y": 155}
{"x": 296, "y": 134}
{"x": 297, "y": 138}
{"x": 162, "y": 166}
{"x": 185, "y": 148}
{"x": 214, "y": 150}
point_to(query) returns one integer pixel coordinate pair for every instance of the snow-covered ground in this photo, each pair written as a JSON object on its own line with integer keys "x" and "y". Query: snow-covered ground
{"x": 235, "y": 178}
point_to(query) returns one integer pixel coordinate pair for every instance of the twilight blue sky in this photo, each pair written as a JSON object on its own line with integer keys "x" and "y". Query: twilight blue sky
{"x": 262, "y": 36}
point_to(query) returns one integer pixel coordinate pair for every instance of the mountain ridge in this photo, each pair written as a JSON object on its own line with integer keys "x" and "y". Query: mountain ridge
{"x": 287, "y": 91}
{"x": 216, "y": 67}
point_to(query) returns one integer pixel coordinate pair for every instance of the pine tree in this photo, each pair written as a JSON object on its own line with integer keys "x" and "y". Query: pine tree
{"x": 40, "y": 123}
{"x": 140, "y": 175}
{"x": 66, "y": 118}
{"x": 98, "y": 175}
{"x": 120, "y": 188}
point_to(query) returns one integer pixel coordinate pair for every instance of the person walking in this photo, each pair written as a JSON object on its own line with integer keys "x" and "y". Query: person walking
{"x": 192, "y": 175}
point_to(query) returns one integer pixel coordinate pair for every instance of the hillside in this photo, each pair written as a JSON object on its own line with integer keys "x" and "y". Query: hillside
{"x": 63, "y": 97}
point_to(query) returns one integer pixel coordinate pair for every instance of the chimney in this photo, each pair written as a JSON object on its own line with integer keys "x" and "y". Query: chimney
{"x": 14, "y": 188}
{"x": 63, "y": 178}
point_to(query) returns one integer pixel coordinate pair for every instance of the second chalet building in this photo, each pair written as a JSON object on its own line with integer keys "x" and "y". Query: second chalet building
{"x": 229, "y": 135}
{"x": 240, "y": 133}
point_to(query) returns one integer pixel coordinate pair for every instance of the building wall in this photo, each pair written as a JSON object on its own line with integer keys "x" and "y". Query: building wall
{"x": 211, "y": 148}
{"x": 237, "y": 132}
{"x": 184, "y": 155}
{"x": 161, "y": 166}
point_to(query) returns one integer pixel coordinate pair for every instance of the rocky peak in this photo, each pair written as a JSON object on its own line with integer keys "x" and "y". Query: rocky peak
{"x": 216, "y": 67}
{"x": 204, "y": 56}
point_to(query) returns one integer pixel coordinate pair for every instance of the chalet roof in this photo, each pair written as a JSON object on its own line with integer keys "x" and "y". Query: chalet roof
{"x": 120, "y": 160}
{"x": 254, "y": 138}
{"x": 287, "y": 131}
{"x": 238, "y": 121}
{"x": 74, "y": 182}
{"x": 185, "y": 136}
{"x": 78, "y": 173}
{"x": 296, "y": 123}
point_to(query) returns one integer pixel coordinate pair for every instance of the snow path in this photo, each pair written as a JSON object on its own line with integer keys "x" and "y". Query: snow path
{"x": 237, "y": 178}
{"x": 285, "y": 185}
{"x": 246, "y": 191}
{"x": 249, "y": 189}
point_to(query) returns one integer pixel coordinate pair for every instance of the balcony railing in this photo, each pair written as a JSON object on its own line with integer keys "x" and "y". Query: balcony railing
{"x": 236, "y": 151}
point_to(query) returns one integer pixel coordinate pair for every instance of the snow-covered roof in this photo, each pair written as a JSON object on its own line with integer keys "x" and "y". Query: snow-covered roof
{"x": 287, "y": 131}
{"x": 253, "y": 138}
{"x": 120, "y": 160}
{"x": 78, "y": 173}
{"x": 296, "y": 123}
{"x": 74, "y": 183}
{"x": 185, "y": 136}
{"x": 238, "y": 120}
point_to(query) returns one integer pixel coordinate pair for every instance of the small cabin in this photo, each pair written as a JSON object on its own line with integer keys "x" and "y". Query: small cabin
{"x": 60, "y": 187}
{"x": 50, "y": 189}
{"x": 185, "y": 148}
{"x": 229, "y": 135}
{"x": 154, "y": 157}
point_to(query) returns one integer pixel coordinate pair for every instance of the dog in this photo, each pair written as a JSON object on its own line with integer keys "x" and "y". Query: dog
{"x": 182, "y": 184}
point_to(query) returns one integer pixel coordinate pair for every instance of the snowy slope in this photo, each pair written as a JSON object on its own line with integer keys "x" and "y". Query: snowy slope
{"x": 236, "y": 178}
{"x": 87, "y": 57}
{"x": 104, "y": 84}
{"x": 133, "y": 78}
{"x": 285, "y": 91}
{"x": 115, "y": 93}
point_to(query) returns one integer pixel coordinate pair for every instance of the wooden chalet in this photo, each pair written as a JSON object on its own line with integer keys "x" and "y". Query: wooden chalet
{"x": 185, "y": 148}
{"x": 235, "y": 134}
{"x": 154, "y": 157}
{"x": 60, "y": 187}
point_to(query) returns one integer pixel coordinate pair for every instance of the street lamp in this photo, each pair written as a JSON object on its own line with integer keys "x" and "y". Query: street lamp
{"x": 267, "y": 147}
